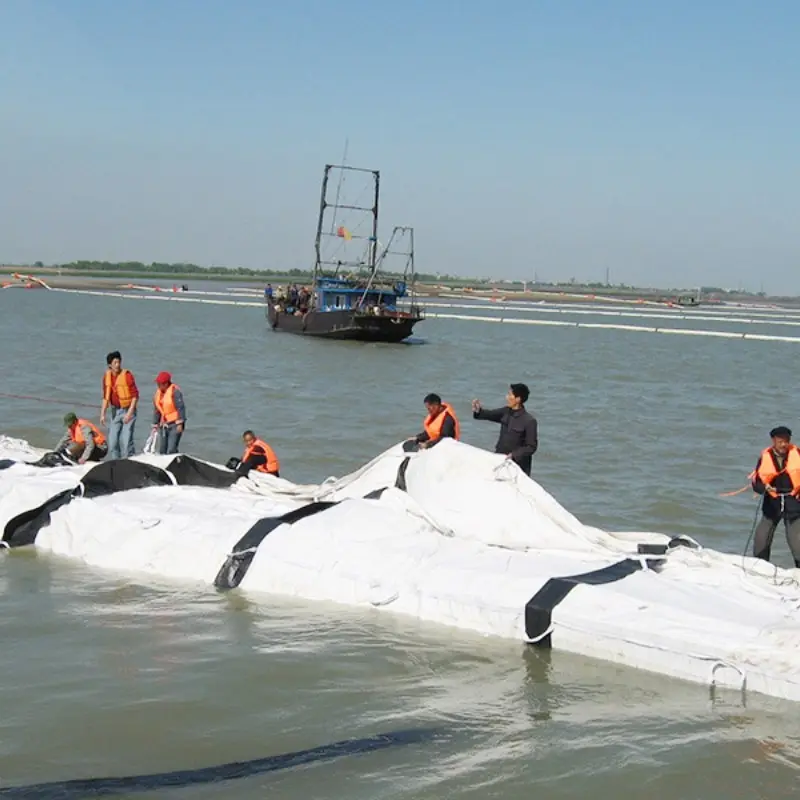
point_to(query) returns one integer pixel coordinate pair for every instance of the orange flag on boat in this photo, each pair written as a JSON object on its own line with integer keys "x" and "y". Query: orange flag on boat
{"x": 344, "y": 233}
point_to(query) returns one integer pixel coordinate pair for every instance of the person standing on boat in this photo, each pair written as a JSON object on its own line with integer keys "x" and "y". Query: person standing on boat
{"x": 519, "y": 430}
{"x": 83, "y": 440}
{"x": 441, "y": 423}
{"x": 169, "y": 414}
{"x": 777, "y": 477}
{"x": 120, "y": 399}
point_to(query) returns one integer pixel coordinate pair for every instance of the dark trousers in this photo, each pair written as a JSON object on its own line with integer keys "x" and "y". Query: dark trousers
{"x": 75, "y": 451}
{"x": 251, "y": 463}
{"x": 169, "y": 437}
{"x": 762, "y": 541}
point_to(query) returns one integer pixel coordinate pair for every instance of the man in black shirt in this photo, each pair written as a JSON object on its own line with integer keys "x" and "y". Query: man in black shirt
{"x": 519, "y": 431}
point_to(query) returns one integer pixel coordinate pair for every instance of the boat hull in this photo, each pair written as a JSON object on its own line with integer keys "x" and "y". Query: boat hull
{"x": 344, "y": 325}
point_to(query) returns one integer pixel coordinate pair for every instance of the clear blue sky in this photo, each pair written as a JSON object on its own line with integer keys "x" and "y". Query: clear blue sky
{"x": 562, "y": 137}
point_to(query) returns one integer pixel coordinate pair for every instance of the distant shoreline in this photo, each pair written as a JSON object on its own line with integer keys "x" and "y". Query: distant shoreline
{"x": 574, "y": 293}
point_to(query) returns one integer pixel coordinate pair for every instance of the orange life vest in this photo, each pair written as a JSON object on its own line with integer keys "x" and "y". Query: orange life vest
{"x": 120, "y": 385}
{"x": 77, "y": 434}
{"x": 272, "y": 466}
{"x": 166, "y": 405}
{"x": 767, "y": 471}
{"x": 433, "y": 425}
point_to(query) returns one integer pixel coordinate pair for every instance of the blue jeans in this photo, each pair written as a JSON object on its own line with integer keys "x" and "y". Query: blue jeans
{"x": 169, "y": 438}
{"x": 120, "y": 434}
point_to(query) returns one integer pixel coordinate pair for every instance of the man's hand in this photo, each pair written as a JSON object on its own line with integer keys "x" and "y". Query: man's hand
{"x": 423, "y": 445}
{"x": 476, "y": 406}
{"x": 127, "y": 418}
{"x": 179, "y": 426}
{"x": 103, "y": 418}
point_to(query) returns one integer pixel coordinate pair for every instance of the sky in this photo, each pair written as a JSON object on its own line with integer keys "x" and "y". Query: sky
{"x": 554, "y": 139}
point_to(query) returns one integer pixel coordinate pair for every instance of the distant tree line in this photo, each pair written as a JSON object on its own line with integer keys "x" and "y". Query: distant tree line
{"x": 161, "y": 268}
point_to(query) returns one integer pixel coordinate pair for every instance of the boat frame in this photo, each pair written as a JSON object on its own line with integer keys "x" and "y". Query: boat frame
{"x": 361, "y": 305}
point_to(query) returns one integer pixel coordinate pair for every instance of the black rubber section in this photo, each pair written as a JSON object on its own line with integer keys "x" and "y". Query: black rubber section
{"x": 539, "y": 609}
{"x": 23, "y": 529}
{"x": 189, "y": 471}
{"x": 651, "y": 549}
{"x": 181, "y": 779}
{"x": 679, "y": 541}
{"x": 375, "y": 494}
{"x": 5, "y": 463}
{"x": 400, "y": 481}
{"x": 238, "y": 562}
{"x": 121, "y": 475}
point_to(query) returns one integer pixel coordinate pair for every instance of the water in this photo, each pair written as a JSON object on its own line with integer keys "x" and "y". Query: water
{"x": 103, "y": 676}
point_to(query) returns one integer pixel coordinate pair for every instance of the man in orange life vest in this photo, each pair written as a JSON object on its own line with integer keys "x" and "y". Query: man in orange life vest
{"x": 120, "y": 398}
{"x": 258, "y": 456}
{"x": 441, "y": 423}
{"x": 777, "y": 477}
{"x": 83, "y": 440}
{"x": 169, "y": 414}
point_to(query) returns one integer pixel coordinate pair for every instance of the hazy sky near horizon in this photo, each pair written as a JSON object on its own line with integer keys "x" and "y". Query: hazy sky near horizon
{"x": 551, "y": 137}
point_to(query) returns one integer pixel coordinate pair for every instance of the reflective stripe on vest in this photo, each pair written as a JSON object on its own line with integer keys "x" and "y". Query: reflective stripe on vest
{"x": 77, "y": 434}
{"x": 433, "y": 426}
{"x": 120, "y": 385}
{"x": 166, "y": 405}
{"x": 768, "y": 471}
{"x": 272, "y": 466}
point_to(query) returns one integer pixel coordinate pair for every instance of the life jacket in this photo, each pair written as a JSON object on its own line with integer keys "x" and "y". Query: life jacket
{"x": 767, "y": 471}
{"x": 166, "y": 404}
{"x": 433, "y": 425}
{"x": 77, "y": 434}
{"x": 118, "y": 384}
{"x": 272, "y": 466}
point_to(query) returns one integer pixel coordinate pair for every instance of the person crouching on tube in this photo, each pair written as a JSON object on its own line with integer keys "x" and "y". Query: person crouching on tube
{"x": 777, "y": 477}
{"x": 83, "y": 440}
{"x": 258, "y": 456}
{"x": 441, "y": 423}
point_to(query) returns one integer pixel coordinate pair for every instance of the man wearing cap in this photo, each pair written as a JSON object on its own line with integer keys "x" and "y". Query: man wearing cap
{"x": 777, "y": 477}
{"x": 83, "y": 440}
{"x": 519, "y": 431}
{"x": 169, "y": 414}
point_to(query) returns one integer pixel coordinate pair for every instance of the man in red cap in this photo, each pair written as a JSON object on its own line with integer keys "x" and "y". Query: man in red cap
{"x": 169, "y": 414}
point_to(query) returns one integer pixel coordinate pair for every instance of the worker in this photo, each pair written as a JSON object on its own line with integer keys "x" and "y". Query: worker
{"x": 519, "y": 430}
{"x": 258, "y": 456}
{"x": 83, "y": 440}
{"x": 441, "y": 423}
{"x": 169, "y": 414}
{"x": 120, "y": 399}
{"x": 777, "y": 477}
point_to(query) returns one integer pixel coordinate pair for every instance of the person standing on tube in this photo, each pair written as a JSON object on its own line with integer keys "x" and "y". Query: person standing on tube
{"x": 519, "y": 430}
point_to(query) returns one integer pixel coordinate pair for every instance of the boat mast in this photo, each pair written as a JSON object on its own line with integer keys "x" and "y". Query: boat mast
{"x": 374, "y": 254}
{"x": 322, "y": 206}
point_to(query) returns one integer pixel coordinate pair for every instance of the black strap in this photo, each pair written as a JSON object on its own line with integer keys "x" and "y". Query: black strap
{"x": 539, "y": 609}
{"x": 400, "y": 481}
{"x": 238, "y": 562}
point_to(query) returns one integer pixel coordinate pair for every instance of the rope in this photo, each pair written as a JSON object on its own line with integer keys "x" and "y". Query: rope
{"x": 47, "y": 400}
{"x": 737, "y": 491}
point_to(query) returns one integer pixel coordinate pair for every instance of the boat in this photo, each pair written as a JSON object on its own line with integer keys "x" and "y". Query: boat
{"x": 452, "y": 535}
{"x": 353, "y": 295}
